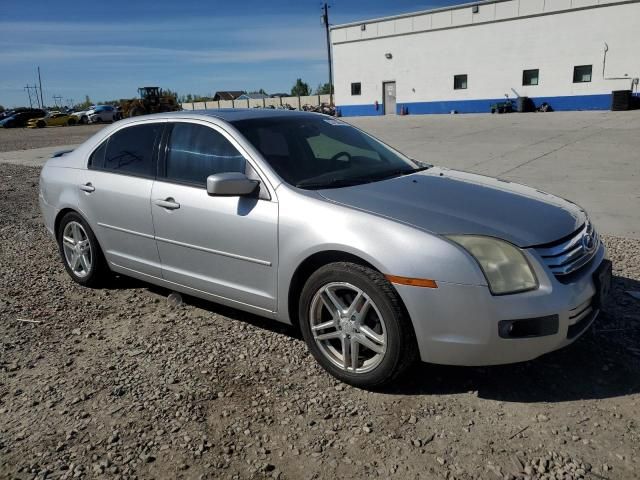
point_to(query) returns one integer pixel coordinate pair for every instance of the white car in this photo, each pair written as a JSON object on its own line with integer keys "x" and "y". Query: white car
{"x": 102, "y": 113}
{"x": 82, "y": 116}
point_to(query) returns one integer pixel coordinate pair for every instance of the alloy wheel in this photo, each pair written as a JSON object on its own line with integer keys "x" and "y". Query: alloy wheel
{"x": 77, "y": 249}
{"x": 348, "y": 328}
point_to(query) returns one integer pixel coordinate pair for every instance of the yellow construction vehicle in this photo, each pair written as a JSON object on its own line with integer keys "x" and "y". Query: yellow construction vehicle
{"x": 152, "y": 100}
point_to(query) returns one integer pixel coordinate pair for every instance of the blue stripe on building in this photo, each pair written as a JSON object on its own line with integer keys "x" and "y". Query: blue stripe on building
{"x": 563, "y": 103}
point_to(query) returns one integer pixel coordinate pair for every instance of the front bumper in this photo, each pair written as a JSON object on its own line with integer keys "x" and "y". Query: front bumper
{"x": 459, "y": 324}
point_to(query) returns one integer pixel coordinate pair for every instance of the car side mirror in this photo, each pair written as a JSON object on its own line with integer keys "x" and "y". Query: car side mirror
{"x": 232, "y": 184}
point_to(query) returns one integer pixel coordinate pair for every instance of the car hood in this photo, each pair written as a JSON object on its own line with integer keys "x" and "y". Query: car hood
{"x": 446, "y": 201}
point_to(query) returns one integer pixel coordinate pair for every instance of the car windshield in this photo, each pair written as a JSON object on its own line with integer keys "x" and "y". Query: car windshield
{"x": 321, "y": 152}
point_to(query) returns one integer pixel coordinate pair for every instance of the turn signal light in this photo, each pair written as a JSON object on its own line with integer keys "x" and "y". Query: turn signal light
{"x": 412, "y": 282}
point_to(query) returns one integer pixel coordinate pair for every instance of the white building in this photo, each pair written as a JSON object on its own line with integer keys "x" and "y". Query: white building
{"x": 569, "y": 53}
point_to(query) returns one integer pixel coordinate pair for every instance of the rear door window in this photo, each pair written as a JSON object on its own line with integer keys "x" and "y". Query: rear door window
{"x": 196, "y": 151}
{"x": 132, "y": 150}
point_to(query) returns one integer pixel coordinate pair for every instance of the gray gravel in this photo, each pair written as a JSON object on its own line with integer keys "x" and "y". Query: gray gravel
{"x": 12, "y": 139}
{"x": 119, "y": 383}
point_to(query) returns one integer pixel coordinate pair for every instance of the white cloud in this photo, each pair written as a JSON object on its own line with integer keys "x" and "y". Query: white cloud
{"x": 34, "y": 53}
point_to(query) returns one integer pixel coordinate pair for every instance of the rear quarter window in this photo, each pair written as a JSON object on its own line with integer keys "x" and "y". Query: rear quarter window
{"x": 96, "y": 160}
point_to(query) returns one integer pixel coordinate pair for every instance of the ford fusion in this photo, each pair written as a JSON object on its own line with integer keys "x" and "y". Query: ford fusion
{"x": 379, "y": 259}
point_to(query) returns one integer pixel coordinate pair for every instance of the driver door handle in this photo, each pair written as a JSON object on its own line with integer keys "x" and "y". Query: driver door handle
{"x": 87, "y": 187}
{"x": 168, "y": 203}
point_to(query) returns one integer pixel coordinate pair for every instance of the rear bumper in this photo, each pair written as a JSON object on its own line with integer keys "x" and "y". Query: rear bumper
{"x": 459, "y": 324}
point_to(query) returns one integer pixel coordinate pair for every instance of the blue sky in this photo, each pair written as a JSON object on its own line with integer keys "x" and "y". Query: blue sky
{"x": 106, "y": 49}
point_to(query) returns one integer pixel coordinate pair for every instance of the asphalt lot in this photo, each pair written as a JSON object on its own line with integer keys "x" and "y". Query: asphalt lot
{"x": 591, "y": 158}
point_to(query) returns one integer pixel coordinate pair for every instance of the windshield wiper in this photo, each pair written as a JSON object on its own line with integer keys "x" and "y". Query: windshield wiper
{"x": 372, "y": 177}
{"x": 336, "y": 182}
{"x": 399, "y": 172}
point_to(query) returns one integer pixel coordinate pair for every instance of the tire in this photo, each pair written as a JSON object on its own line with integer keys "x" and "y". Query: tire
{"x": 41, "y": 124}
{"x": 84, "y": 120}
{"x": 71, "y": 122}
{"x": 395, "y": 344}
{"x": 91, "y": 273}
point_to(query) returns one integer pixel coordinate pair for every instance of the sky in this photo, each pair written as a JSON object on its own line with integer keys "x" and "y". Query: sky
{"x": 107, "y": 49}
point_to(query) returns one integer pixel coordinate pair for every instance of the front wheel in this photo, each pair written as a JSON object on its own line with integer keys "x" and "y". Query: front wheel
{"x": 355, "y": 326}
{"x": 80, "y": 251}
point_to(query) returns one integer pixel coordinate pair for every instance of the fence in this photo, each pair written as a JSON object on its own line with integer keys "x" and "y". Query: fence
{"x": 295, "y": 102}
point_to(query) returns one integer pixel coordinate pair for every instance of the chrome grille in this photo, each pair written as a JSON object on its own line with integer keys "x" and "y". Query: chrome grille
{"x": 568, "y": 255}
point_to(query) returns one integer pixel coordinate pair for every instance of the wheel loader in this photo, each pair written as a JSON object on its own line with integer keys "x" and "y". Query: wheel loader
{"x": 152, "y": 100}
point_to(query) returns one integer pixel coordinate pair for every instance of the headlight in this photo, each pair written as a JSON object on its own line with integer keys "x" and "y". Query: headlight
{"x": 505, "y": 266}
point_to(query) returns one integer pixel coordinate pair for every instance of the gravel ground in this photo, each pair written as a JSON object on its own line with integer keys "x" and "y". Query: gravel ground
{"x": 118, "y": 383}
{"x": 12, "y": 139}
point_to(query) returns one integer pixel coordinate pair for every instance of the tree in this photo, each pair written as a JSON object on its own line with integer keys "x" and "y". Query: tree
{"x": 323, "y": 89}
{"x": 262, "y": 91}
{"x": 86, "y": 104}
{"x": 1, "y": 109}
{"x": 300, "y": 88}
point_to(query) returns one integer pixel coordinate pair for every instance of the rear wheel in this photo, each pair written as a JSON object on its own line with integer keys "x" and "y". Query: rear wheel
{"x": 80, "y": 251}
{"x": 84, "y": 120}
{"x": 71, "y": 122}
{"x": 41, "y": 124}
{"x": 355, "y": 326}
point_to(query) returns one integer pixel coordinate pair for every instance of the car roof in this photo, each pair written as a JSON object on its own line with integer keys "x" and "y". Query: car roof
{"x": 236, "y": 114}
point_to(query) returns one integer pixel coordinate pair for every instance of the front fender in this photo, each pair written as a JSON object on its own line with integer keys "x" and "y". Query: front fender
{"x": 309, "y": 224}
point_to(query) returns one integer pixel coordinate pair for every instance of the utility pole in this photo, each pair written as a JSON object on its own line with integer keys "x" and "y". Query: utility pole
{"x": 325, "y": 21}
{"x": 40, "y": 82}
{"x": 28, "y": 89}
{"x": 56, "y": 98}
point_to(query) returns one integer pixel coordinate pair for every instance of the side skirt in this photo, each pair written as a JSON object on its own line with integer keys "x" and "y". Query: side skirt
{"x": 195, "y": 292}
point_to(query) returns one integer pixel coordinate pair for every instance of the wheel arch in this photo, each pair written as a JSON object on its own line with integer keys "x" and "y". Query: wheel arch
{"x": 60, "y": 215}
{"x": 311, "y": 264}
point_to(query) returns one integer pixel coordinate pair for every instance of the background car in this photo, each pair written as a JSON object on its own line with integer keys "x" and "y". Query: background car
{"x": 52, "y": 119}
{"x": 102, "y": 113}
{"x": 82, "y": 116}
{"x": 20, "y": 119}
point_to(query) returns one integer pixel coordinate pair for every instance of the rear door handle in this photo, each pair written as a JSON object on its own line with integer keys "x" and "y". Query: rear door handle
{"x": 87, "y": 187}
{"x": 168, "y": 203}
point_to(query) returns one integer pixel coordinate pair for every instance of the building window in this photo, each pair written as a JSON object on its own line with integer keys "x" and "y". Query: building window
{"x": 459, "y": 82}
{"x": 530, "y": 77}
{"x": 582, "y": 74}
{"x": 356, "y": 88}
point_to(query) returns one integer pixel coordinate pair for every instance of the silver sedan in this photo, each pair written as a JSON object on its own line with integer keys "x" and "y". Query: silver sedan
{"x": 379, "y": 259}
